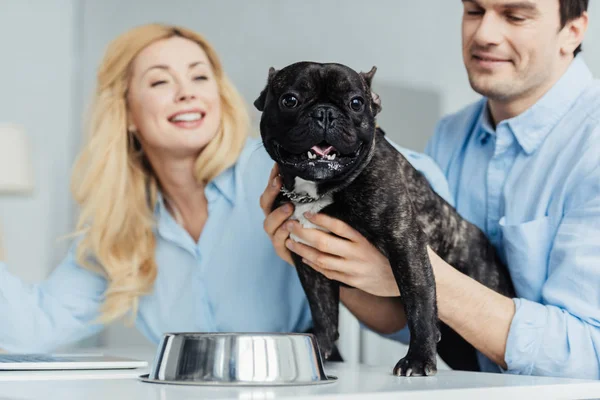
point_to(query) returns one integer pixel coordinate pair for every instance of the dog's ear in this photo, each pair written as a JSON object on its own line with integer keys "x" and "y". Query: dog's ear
{"x": 376, "y": 102}
{"x": 368, "y": 77}
{"x": 260, "y": 102}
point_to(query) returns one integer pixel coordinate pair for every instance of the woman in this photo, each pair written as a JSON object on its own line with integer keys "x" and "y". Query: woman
{"x": 170, "y": 231}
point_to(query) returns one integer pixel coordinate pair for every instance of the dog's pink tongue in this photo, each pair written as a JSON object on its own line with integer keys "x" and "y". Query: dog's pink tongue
{"x": 323, "y": 151}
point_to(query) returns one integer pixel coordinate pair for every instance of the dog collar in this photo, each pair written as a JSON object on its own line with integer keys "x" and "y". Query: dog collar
{"x": 298, "y": 197}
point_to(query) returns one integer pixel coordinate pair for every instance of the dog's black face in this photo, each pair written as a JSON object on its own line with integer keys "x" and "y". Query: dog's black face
{"x": 318, "y": 120}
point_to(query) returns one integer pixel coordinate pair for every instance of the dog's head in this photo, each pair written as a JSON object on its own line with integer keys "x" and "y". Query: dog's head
{"x": 318, "y": 120}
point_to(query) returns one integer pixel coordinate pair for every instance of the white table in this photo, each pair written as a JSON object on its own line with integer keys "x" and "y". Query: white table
{"x": 355, "y": 382}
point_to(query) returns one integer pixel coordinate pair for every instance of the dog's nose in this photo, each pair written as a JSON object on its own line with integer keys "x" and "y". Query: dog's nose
{"x": 324, "y": 115}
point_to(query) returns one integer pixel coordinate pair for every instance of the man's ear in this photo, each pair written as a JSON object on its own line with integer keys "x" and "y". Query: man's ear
{"x": 260, "y": 102}
{"x": 573, "y": 32}
{"x": 368, "y": 77}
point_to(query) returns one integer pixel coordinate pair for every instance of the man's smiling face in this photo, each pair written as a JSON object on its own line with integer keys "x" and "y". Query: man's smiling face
{"x": 511, "y": 48}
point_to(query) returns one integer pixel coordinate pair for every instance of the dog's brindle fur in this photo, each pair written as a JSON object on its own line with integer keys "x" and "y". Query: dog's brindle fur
{"x": 393, "y": 206}
{"x": 460, "y": 243}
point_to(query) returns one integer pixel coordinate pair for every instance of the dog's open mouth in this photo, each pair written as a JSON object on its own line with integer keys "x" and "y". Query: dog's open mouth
{"x": 322, "y": 153}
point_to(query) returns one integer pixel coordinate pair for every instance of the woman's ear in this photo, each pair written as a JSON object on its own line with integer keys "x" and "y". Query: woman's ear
{"x": 131, "y": 127}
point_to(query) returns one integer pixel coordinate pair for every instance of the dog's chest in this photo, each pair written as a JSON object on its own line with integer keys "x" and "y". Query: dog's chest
{"x": 308, "y": 189}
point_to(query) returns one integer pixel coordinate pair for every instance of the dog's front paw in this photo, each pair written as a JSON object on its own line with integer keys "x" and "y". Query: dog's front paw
{"x": 326, "y": 346}
{"x": 416, "y": 366}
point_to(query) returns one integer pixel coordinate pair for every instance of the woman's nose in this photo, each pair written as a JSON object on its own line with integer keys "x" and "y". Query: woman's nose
{"x": 185, "y": 93}
{"x": 185, "y": 97}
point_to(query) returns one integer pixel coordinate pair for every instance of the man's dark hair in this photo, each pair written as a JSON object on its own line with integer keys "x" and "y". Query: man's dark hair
{"x": 569, "y": 10}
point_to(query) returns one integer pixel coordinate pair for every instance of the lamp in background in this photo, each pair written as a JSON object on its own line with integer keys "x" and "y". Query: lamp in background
{"x": 16, "y": 171}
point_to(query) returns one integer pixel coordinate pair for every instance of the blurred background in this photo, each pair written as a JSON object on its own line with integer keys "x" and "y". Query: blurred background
{"x": 50, "y": 50}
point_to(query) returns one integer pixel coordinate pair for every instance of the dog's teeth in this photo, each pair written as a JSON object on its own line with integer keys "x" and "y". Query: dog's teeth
{"x": 311, "y": 155}
{"x": 332, "y": 157}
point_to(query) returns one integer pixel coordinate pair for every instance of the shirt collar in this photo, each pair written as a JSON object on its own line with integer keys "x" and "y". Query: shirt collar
{"x": 532, "y": 126}
{"x": 485, "y": 124}
{"x": 221, "y": 186}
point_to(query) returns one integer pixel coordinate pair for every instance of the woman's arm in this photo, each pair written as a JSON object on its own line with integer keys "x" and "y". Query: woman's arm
{"x": 59, "y": 310}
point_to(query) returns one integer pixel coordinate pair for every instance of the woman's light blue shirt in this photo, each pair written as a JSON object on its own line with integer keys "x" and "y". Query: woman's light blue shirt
{"x": 230, "y": 280}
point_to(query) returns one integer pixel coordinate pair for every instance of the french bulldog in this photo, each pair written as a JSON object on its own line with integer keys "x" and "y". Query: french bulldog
{"x": 318, "y": 124}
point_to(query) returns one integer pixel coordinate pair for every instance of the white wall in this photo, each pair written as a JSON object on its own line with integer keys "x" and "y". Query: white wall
{"x": 415, "y": 45}
{"x": 37, "y": 91}
{"x": 275, "y": 33}
{"x": 51, "y": 49}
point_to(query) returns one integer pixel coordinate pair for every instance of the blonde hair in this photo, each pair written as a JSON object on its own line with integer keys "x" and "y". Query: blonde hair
{"x": 114, "y": 187}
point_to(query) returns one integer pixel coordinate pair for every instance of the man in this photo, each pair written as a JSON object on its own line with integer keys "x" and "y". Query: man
{"x": 523, "y": 165}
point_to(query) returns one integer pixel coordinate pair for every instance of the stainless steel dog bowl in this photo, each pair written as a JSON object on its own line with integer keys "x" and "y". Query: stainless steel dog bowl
{"x": 255, "y": 359}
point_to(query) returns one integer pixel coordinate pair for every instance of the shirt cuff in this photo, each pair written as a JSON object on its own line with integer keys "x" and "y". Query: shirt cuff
{"x": 402, "y": 336}
{"x": 523, "y": 342}
{"x": 3, "y": 272}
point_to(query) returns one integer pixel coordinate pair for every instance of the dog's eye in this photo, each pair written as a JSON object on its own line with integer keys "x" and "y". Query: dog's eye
{"x": 357, "y": 103}
{"x": 289, "y": 101}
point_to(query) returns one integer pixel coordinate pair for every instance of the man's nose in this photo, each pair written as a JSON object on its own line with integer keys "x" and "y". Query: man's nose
{"x": 489, "y": 31}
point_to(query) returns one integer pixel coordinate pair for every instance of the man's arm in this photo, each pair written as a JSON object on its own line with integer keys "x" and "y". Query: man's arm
{"x": 384, "y": 315}
{"x": 557, "y": 332}
{"x": 477, "y": 313}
